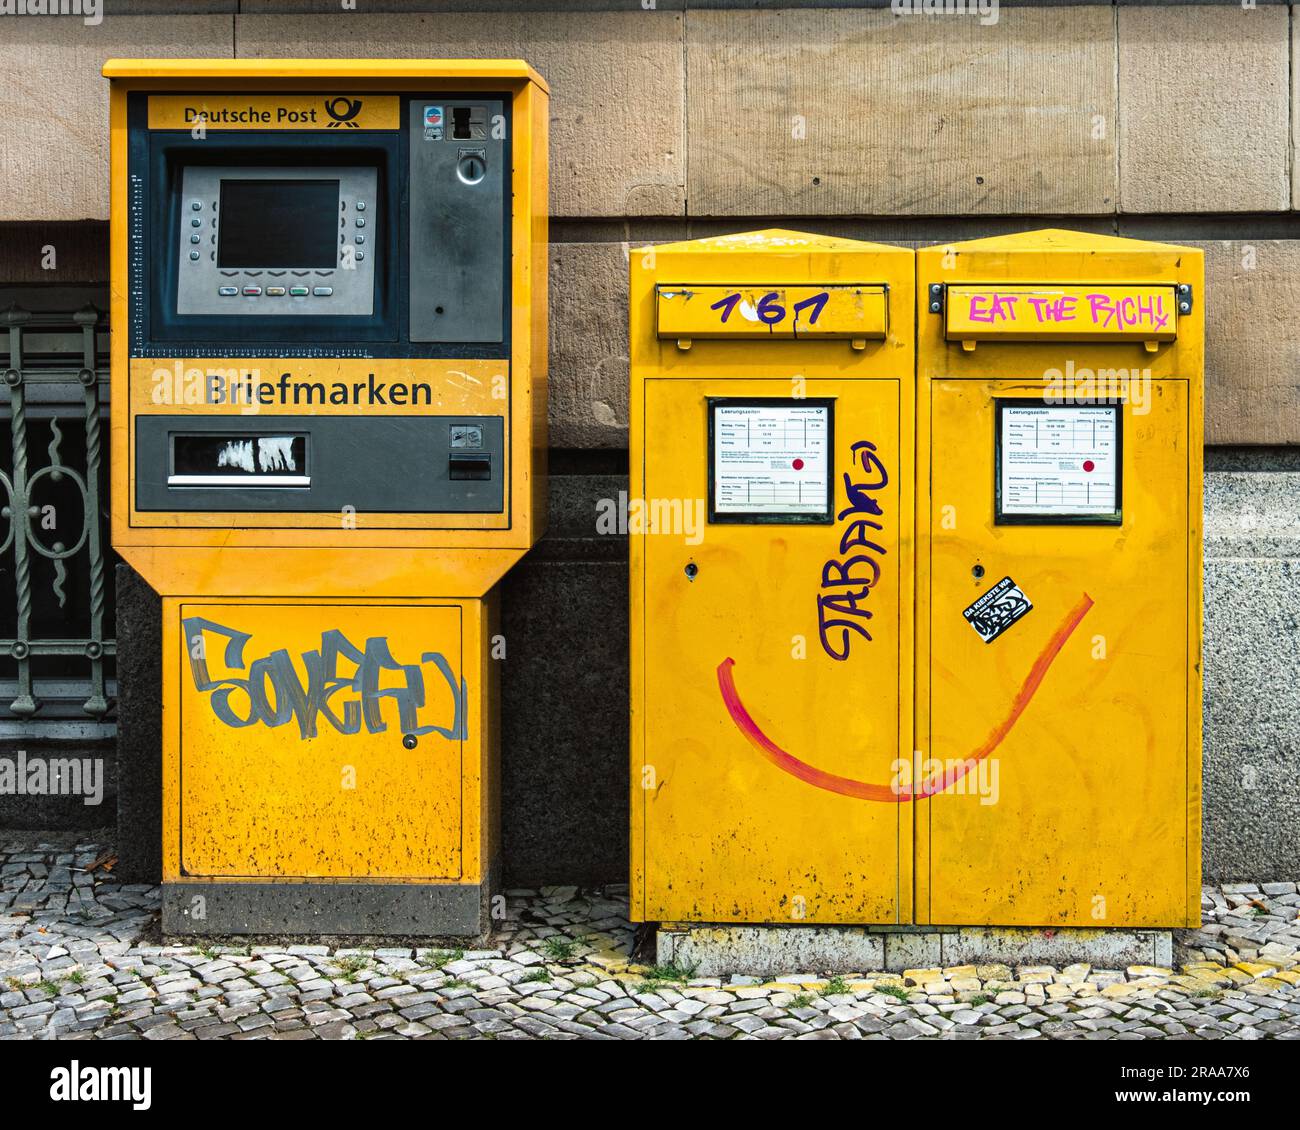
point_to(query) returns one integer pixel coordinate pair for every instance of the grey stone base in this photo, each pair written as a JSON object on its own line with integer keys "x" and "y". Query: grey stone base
{"x": 768, "y": 951}
{"x": 336, "y": 909}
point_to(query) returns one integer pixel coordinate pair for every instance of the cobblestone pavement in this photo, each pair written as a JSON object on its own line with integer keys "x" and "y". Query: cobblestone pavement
{"x": 80, "y": 959}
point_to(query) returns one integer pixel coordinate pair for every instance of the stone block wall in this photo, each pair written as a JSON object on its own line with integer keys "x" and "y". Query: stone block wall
{"x": 681, "y": 118}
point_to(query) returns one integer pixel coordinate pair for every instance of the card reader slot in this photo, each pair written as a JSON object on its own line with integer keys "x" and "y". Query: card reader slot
{"x": 225, "y": 482}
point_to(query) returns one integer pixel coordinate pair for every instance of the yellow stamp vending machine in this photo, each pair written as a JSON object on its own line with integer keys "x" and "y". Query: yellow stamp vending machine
{"x": 1058, "y": 685}
{"x": 770, "y": 520}
{"x": 329, "y": 425}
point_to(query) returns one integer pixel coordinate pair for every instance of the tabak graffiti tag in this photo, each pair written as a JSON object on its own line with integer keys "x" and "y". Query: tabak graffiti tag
{"x": 272, "y": 693}
{"x": 847, "y": 580}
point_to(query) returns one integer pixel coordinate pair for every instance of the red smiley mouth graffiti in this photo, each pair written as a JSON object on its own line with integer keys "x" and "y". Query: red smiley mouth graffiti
{"x": 891, "y": 794}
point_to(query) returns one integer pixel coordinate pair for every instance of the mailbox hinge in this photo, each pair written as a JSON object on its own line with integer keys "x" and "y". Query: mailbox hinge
{"x": 1185, "y": 298}
{"x": 936, "y": 298}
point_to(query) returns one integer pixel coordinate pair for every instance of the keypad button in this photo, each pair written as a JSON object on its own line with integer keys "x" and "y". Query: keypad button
{"x": 322, "y": 291}
{"x": 194, "y": 254}
{"x": 361, "y": 221}
{"x": 196, "y": 222}
{"x": 361, "y": 205}
{"x": 274, "y": 291}
{"x": 252, "y": 291}
{"x": 227, "y": 291}
{"x": 299, "y": 291}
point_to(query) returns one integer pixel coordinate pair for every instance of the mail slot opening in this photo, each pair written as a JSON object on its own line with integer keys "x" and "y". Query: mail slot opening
{"x": 238, "y": 460}
{"x": 460, "y": 467}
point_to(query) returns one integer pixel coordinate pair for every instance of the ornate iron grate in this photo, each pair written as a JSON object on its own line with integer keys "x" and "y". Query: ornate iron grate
{"x": 57, "y": 639}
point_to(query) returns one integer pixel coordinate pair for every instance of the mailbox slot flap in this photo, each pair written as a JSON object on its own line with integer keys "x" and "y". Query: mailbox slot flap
{"x": 777, "y": 310}
{"x": 1055, "y": 311}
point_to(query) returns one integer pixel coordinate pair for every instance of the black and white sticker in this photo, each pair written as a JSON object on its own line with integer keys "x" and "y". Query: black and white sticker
{"x": 997, "y": 609}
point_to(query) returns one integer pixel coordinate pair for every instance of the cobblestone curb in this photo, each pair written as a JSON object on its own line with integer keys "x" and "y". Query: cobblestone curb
{"x": 76, "y": 962}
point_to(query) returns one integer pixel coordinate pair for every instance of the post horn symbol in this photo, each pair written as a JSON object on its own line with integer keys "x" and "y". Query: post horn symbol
{"x": 343, "y": 110}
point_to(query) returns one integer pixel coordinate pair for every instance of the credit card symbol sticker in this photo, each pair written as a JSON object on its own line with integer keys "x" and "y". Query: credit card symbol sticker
{"x": 432, "y": 116}
{"x": 466, "y": 435}
{"x": 997, "y": 609}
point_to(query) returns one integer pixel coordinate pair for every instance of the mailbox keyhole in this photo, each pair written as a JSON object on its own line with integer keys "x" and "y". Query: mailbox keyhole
{"x": 977, "y": 572}
{"x": 410, "y": 741}
{"x": 691, "y": 570}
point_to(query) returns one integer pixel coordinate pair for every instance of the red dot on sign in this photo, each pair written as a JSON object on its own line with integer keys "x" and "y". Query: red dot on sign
{"x": 1089, "y": 465}
{"x": 798, "y": 464}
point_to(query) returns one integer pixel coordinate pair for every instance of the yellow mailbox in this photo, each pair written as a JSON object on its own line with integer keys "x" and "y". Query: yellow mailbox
{"x": 1058, "y": 588}
{"x": 329, "y": 407}
{"x": 770, "y": 520}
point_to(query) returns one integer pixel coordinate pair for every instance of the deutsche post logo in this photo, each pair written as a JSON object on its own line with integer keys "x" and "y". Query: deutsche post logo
{"x": 342, "y": 111}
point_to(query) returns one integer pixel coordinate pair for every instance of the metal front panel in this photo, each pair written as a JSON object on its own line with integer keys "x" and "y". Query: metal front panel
{"x": 308, "y": 776}
{"x": 459, "y": 259}
{"x": 774, "y": 698}
{"x": 1068, "y": 727}
{"x": 372, "y": 464}
{"x": 350, "y": 280}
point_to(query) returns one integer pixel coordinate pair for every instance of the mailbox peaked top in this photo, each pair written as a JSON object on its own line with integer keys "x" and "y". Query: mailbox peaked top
{"x": 1060, "y": 241}
{"x": 780, "y": 241}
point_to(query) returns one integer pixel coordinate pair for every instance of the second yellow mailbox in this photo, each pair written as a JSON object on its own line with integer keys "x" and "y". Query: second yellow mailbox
{"x": 1058, "y": 588}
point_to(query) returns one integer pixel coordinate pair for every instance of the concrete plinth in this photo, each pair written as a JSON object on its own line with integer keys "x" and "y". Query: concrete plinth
{"x": 769, "y": 951}
{"x": 336, "y": 909}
